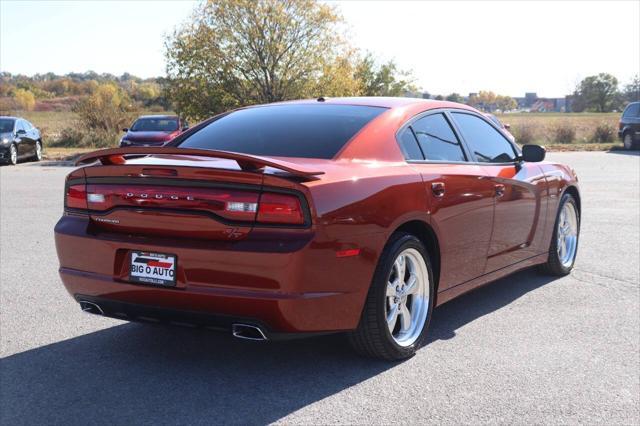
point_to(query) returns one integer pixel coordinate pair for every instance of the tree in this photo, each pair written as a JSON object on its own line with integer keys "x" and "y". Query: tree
{"x": 483, "y": 100}
{"x": 596, "y": 93}
{"x": 489, "y": 101}
{"x": 25, "y": 99}
{"x": 233, "y": 53}
{"x": 454, "y": 97}
{"x": 338, "y": 78}
{"x": 107, "y": 109}
{"x": 147, "y": 93}
{"x": 238, "y": 52}
{"x": 631, "y": 91}
{"x": 505, "y": 103}
{"x": 382, "y": 79}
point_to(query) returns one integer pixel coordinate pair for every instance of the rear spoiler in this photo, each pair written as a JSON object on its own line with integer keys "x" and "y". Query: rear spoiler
{"x": 249, "y": 163}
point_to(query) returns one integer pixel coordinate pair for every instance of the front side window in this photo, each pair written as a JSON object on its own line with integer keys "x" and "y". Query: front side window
{"x": 488, "y": 145}
{"x": 296, "y": 130}
{"x": 155, "y": 125}
{"x": 437, "y": 140}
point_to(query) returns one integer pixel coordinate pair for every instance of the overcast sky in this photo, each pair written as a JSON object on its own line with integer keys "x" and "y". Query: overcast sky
{"x": 508, "y": 47}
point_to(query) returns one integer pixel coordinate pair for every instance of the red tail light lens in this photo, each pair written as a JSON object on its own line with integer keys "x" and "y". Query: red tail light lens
{"x": 231, "y": 204}
{"x": 76, "y": 197}
{"x": 280, "y": 209}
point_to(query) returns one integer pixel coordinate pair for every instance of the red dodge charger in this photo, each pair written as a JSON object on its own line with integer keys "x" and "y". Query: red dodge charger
{"x": 355, "y": 215}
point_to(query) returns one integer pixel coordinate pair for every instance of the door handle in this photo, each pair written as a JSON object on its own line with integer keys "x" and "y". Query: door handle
{"x": 437, "y": 188}
{"x": 499, "y": 190}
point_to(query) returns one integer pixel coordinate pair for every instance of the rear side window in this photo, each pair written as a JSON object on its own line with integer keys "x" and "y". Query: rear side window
{"x": 307, "y": 131}
{"x": 488, "y": 145}
{"x": 633, "y": 110}
{"x": 437, "y": 140}
{"x": 409, "y": 145}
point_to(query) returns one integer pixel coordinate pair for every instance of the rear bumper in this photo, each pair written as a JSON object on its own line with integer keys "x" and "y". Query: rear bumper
{"x": 303, "y": 288}
{"x": 184, "y": 318}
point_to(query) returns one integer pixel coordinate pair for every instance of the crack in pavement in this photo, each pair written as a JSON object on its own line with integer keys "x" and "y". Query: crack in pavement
{"x": 595, "y": 278}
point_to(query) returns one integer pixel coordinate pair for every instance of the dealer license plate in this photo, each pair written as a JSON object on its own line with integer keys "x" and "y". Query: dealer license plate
{"x": 153, "y": 268}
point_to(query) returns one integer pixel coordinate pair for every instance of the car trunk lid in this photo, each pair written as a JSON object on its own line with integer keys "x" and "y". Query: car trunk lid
{"x": 179, "y": 193}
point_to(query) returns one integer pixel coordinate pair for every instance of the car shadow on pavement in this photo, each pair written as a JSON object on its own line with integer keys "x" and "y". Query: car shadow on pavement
{"x": 634, "y": 153}
{"x": 134, "y": 373}
{"x": 51, "y": 163}
{"x": 482, "y": 301}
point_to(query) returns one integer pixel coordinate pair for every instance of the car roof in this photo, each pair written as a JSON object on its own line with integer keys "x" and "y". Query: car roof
{"x": 9, "y": 117}
{"x": 379, "y": 101}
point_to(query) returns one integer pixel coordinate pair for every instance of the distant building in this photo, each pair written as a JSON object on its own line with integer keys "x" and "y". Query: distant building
{"x": 531, "y": 102}
{"x": 530, "y": 98}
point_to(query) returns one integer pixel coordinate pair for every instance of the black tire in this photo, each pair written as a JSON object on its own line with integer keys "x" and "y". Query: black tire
{"x": 372, "y": 338}
{"x": 11, "y": 159}
{"x": 627, "y": 141}
{"x": 36, "y": 156}
{"x": 554, "y": 266}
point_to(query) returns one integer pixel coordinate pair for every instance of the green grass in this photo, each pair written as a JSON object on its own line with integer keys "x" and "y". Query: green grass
{"x": 560, "y": 114}
{"x": 542, "y": 125}
{"x": 50, "y": 123}
{"x": 68, "y": 154}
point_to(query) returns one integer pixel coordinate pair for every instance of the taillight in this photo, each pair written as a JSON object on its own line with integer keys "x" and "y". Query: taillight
{"x": 280, "y": 209}
{"x": 236, "y": 205}
{"x": 76, "y": 197}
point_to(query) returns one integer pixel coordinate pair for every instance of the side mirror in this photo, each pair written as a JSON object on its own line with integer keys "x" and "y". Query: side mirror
{"x": 126, "y": 129}
{"x": 533, "y": 153}
{"x": 507, "y": 126}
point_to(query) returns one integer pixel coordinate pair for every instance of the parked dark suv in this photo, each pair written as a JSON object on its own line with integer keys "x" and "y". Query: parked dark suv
{"x": 153, "y": 130}
{"x": 19, "y": 140}
{"x": 629, "y": 130}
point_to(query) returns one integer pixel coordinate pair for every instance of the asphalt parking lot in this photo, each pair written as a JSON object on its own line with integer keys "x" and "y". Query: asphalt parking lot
{"x": 526, "y": 349}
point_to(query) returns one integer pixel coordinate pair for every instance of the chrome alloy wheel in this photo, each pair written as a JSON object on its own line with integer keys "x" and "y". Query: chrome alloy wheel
{"x": 627, "y": 141}
{"x": 567, "y": 234}
{"x": 13, "y": 154}
{"x": 407, "y": 297}
{"x": 38, "y": 151}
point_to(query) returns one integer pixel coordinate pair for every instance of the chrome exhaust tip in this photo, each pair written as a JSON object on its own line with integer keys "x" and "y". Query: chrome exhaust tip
{"x": 90, "y": 307}
{"x": 247, "y": 332}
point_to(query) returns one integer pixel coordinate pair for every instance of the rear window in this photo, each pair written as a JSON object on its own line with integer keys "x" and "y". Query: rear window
{"x": 307, "y": 131}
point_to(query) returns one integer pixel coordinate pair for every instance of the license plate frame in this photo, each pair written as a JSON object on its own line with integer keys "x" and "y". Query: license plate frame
{"x": 150, "y": 269}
